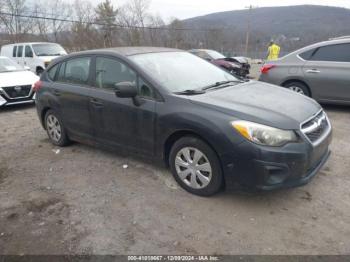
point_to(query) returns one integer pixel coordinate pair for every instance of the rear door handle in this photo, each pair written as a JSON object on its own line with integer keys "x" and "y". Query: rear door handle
{"x": 56, "y": 92}
{"x": 96, "y": 102}
{"x": 313, "y": 71}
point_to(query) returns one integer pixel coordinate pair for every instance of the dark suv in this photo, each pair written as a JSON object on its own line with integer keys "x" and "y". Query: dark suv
{"x": 211, "y": 128}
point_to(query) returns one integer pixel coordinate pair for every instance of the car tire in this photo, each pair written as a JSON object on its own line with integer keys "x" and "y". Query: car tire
{"x": 39, "y": 71}
{"x": 55, "y": 129}
{"x": 298, "y": 87}
{"x": 195, "y": 166}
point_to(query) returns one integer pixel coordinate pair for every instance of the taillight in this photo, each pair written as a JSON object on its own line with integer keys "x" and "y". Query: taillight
{"x": 266, "y": 68}
{"x": 37, "y": 86}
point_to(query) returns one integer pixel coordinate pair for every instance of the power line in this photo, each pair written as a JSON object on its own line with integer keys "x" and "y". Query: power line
{"x": 103, "y": 24}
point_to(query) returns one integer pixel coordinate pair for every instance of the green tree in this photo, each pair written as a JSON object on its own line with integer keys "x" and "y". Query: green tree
{"x": 106, "y": 16}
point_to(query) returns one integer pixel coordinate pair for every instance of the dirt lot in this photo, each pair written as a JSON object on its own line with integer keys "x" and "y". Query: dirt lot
{"x": 80, "y": 199}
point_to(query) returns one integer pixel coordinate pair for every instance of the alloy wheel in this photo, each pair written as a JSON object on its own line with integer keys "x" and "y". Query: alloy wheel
{"x": 53, "y": 128}
{"x": 297, "y": 89}
{"x": 193, "y": 168}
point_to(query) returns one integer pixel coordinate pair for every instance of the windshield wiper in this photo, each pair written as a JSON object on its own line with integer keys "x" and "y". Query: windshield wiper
{"x": 222, "y": 84}
{"x": 190, "y": 92}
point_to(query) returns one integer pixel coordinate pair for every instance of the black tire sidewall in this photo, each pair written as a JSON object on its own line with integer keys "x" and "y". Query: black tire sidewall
{"x": 217, "y": 178}
{"x": 300, "y": 85}
{"x": 64, "y": 138}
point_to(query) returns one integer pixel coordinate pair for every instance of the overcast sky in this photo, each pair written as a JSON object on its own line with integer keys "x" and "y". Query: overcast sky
{"x": 190, "y": 8}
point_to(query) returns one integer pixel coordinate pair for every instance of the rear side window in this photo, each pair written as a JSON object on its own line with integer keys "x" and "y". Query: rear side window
{"x": 333, "y": 53}
{"x": 75, "y": 71}
{"x": 20, "y": 51}
{"x": 14, "y": 51}
{"x": 308, "y": 54}
{"x": 52, "y": 72}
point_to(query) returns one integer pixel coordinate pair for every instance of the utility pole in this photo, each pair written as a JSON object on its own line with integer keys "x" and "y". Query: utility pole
{"x": 250, "y": 10}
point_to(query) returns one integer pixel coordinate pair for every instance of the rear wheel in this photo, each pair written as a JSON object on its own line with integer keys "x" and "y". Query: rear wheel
{"x": 195, "y": 166}
{"x": 55, "y": 129}
{"x": 298, "y": 87}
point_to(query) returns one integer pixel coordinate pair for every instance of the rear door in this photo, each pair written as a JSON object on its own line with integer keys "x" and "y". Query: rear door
{"x": 119, "y": 121}
{"x": 72, "y": 88}
{"x": 328, "y": 72}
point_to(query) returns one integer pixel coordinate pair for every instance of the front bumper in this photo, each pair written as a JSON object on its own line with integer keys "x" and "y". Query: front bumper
{"x": 267, "y": 168}
{"x": 6, "y": 101}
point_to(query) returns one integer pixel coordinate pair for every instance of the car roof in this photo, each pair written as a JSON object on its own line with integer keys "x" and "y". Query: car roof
{"x": 30, "y": 43}
{"x": 316, "y": 45}
{"x": 130, "y": 51}
{"x": 200, "y": 50}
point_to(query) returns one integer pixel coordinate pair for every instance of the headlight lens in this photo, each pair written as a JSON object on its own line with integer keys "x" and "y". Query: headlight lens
{"x": 264, "y": 135}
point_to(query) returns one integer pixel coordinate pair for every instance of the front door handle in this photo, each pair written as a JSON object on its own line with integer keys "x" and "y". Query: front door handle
{"x": 96, "y": 102}
{"x": 56, "y": 92}
{"x": 313, "y": 71}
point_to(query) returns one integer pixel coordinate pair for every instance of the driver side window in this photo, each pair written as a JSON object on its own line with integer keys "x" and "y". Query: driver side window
{"x": 110, "y": 72}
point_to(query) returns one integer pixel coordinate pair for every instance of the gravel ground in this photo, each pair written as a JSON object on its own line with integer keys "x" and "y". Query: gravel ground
{"x": 81, "y": 200}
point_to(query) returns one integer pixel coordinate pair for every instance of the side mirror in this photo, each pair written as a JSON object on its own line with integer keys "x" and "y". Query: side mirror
{"x": 125, "y": 90}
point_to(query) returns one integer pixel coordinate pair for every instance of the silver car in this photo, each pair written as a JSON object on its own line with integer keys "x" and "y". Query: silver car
{"x": 320, "y": 71}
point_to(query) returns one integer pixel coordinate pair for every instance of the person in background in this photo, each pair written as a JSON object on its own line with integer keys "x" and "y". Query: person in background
{"x": 273, "y": 51}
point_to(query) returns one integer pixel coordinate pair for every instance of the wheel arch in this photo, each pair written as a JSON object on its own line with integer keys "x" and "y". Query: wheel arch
{"x": 292, "y": 80}
{"x": 171, "y": 140}
{"x": 43, "y": 114}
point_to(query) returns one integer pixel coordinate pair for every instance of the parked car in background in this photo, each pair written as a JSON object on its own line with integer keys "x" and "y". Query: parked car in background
{"x": 37, "y": 56}
{"x": 16, "y": 83}
{"x": 320, "y": 71}
{"x": 211, "y": 128}
{"x": 238, "y": 66}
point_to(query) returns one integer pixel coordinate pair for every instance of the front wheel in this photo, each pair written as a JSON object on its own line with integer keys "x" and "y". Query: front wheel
{"x": 196, "y": 167}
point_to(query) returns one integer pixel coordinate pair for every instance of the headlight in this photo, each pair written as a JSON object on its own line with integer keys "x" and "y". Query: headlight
{"x": 264, "y": 135}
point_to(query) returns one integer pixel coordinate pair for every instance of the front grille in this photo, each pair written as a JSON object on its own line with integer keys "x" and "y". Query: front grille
{"x": 17, "y": 91}
{"x": 315, "y": 128}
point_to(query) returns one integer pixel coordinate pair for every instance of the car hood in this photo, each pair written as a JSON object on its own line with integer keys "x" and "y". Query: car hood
{"x": 261, "y": 103}
{"x": 241, "y": 59}
{"x": 227, "y": 62}
{"x": 17, "y": 78}
{"x": 47, "y": 59}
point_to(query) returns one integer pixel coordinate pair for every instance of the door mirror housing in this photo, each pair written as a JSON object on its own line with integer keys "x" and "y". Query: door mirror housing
{"x": 125, "y": 90}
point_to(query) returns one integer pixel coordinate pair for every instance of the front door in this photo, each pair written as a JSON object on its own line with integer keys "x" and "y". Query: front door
{"x": 328, "y": 73}
{"x": 121, "y": 121}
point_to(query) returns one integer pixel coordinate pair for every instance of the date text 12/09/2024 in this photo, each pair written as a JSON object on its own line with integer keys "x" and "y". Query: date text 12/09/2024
{"x": 173, "y": 258}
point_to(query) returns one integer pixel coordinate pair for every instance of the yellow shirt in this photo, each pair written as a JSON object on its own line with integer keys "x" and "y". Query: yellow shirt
{"x": 274, "y": 52}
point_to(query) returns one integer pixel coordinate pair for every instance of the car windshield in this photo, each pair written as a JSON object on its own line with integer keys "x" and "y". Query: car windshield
{"x": 215, "y": 55}
{"x": 7, "y": 65}
{"x": 48, "y": 50}
{"x": 181, "y": 71}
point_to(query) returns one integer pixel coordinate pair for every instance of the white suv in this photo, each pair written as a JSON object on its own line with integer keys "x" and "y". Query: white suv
{"x": 36, "y": 56}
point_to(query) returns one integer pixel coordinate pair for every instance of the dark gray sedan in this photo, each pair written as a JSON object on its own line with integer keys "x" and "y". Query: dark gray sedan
{"x": 321, "y": 71}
